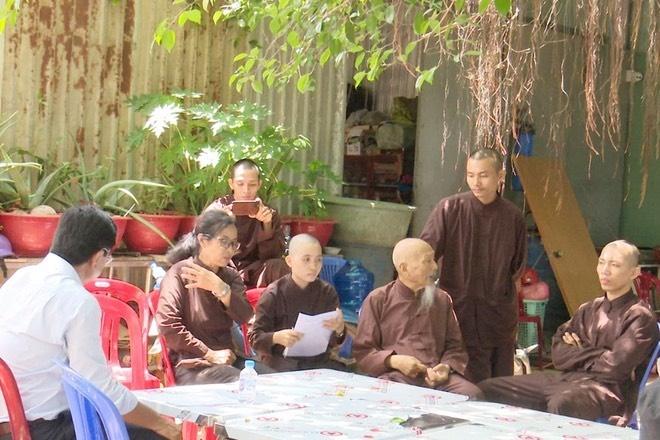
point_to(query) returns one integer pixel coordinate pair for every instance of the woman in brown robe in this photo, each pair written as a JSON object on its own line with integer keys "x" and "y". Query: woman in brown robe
{"x": 199, "y": 301}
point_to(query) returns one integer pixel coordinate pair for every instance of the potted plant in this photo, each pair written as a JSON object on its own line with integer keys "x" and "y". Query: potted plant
{"x": 114, "y": 196}
{"x": 198, "y": 142}
{"x": 32, "y": 194}
{"x": 314, "y": 216}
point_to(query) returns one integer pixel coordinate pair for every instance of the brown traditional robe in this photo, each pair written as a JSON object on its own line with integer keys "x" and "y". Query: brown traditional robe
{"x": 193, "y": 321}
{"x": 481, "y": 251}
{"x": 278, "y": 309}
{"x": 600, "y": 378}
{"x": 259, "y": 259}
{"x": 391, "y": 322}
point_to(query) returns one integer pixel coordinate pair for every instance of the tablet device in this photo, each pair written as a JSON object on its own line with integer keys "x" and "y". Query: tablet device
{"x": 245, "y": 207}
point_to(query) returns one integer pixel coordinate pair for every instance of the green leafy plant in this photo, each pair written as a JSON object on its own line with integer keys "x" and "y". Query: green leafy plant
{"x": 311, "y": 196}
{"x": 37, "y": 182}
{"x": 199, "y": 141}
{"x": 312, "y": 33}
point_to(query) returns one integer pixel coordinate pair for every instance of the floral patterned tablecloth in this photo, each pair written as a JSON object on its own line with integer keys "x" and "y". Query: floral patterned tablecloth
{"x": 322, "y": 404}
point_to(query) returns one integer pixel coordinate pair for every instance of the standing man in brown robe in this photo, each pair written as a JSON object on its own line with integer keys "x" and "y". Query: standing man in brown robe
{"x": 598, "y": 351}
{"x": 299, "y": 292}
{"x": 407, "y": 331}
{"x": 259, "y": 258}
{"x": 480, "y": 245}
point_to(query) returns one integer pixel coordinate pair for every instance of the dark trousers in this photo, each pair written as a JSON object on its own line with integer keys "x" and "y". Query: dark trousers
{"x": 456, "y": 384}
{"x": 487, "y": 362}
{"x": 198, "y": 375}
{"x": 568, "y": 394}
{"x": 61, "y": 428}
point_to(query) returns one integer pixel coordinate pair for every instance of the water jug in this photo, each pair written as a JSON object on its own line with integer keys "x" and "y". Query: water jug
{"x": 353, "y": 283}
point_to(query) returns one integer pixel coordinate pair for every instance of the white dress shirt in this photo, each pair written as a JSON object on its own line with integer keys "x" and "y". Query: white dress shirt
{"x": 47, "y": 315}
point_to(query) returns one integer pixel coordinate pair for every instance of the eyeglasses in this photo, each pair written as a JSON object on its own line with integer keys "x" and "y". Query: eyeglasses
{"x": 107, "y": 254}
{"x": 228, "y": 244}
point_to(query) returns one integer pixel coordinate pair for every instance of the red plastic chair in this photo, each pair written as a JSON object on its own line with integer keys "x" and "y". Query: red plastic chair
{"x": 253, "y": 295}
{"x": 135, "y": 377}
{"x": 189, "y": 431}
{"x": 128, "y": 294}
{"x": 17, "y": 422}
{"x": 168, "y": 370}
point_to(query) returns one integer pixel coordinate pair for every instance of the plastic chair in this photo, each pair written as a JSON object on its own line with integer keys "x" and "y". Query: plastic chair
{"x": 94, "y": 415}
{"x": 154, "y": 296}
{"x": 127, "y": 293}
{"x": 135, "y": 377}
{"x": 189, "y": 431}
{"x": 331, "y": 266}
{"x": 253, "y": 295}
{"x": 536, "y": 320}
{"x": 17, "y": 422}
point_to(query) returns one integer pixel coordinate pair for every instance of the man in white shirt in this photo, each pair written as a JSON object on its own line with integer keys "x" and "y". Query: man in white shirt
{"x": 47, "y": 316}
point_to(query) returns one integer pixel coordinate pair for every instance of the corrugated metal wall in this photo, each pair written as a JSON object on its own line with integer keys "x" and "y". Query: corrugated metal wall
{"x": 68, "y": 67}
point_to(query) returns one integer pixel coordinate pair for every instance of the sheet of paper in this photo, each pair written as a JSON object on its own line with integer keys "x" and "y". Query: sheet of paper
{"x": 315, "y": 337}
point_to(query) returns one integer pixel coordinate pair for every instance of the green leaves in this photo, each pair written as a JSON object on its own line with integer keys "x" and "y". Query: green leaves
{"x": 164, "y": 36}
{"x": 294, "y": 38}
{"x": 194, "y": 15}
{"x": 503, "y": 6}
{"x": 425, "y": 76}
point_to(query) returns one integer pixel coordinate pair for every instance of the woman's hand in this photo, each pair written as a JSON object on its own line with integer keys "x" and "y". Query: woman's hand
{"x": 201, "y": 278}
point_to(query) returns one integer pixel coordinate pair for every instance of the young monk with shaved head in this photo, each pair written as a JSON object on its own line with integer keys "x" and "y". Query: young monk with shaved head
{"x": 601, "y": 351}
{"x": 479, "y": 240}
{"x": 300, "y": 292}
{"x": 407, "y": 330}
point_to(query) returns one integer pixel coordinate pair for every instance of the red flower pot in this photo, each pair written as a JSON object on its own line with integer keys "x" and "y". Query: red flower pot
{"x": 319, "y": 229}
{"x": 187, "y": 225}
{"x": 140, "y": 238}
{"x": 30, "y": 235}
{"x": 120, "y": 224}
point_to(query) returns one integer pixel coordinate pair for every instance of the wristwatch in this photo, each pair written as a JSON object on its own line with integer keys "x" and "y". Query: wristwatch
{"x": 224, "y": 292}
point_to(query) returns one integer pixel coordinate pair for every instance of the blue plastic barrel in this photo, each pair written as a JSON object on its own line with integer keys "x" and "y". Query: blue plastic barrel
{"x": 525, "y": 147}
{"x": 353, "y": 283}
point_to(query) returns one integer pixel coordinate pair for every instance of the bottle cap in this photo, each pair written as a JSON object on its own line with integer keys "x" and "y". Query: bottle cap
{"x": 249, "y": 363}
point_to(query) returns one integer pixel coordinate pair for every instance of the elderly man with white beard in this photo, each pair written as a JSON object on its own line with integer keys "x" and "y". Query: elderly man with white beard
{"x": 408, "y": 330}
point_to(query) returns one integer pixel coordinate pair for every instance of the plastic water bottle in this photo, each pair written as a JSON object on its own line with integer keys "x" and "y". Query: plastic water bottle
{"x": 247, "y": 383}
{"x": 353, "y": 283}
{"x": 158, "y": 273}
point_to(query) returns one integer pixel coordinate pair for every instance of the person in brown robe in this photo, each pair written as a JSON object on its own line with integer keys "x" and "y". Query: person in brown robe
{"x": 480, "y": 245}
{"x": 259, "y": 258}
{"x": 279, "y": 305}
{"x": 200, "y": 298}
{"x": 601, "y": 351}
{"x": 407, "y": 330}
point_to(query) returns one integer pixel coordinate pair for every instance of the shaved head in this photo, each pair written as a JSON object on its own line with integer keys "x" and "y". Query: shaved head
{"x": 489, "y": 153}
{"x": 408, "y": 249}
{"x": 302, "y": 241}
{"x": 628, "y": 250}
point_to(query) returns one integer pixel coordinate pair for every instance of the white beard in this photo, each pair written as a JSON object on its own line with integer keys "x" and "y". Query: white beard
{"x": 426, "y": 298}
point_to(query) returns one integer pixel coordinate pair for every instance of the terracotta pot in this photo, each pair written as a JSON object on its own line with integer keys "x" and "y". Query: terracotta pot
{"x": 30, "y": 235}
{"x": 320, "y": 229}
{"x": 187, "y": 225}
{"x": 140, "y": 238}
{"x": 120, "y": 224}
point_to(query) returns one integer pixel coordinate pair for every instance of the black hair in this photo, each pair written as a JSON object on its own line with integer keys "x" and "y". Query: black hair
{"x": 82, "y": 232}
{"x": 245, "y": 163}
{"x": 210, "y": 223}
{"x": 489, "y": 153}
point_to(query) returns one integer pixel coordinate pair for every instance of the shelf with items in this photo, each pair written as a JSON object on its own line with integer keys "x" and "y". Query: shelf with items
{"x": 374, "y": 176}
